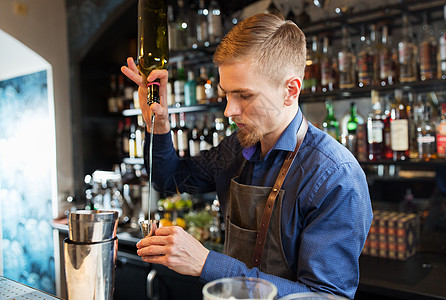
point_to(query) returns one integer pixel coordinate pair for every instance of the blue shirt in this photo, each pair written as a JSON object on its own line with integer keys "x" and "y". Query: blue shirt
{"x": 326, "y": 209}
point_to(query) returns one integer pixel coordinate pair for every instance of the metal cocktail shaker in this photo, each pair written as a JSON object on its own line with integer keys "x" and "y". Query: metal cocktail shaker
{"x": 90, "y": 254}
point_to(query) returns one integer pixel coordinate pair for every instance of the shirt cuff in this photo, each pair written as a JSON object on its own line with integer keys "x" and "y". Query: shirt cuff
{"x": 216, "y": 266}
{"x": 160, "y": 141}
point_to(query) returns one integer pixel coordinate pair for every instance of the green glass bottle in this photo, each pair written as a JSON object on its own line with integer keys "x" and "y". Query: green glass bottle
{"x": 331, "y": 124}
{"x": 352, "y": 130}
{"x": 153, "y": 46}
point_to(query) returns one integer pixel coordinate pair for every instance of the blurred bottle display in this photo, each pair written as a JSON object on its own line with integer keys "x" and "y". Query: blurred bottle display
{"x": 331, "y": 124}
{"x": 328, "y": 68}
{"x": 428, "y": 51}
{"x": 190, "y": 90}
{"x": 441, "y": 133}
{"x": 399, "y": 127}
{"x": 347, "y": 62}
{"x": 312, "y": 77}
{"x": 407, "y": 53}
{"x": 426, "y": 135}
{"x": 375, "y": 129}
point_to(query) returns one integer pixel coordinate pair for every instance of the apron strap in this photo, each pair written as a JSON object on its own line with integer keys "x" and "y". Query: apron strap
{"x": 267, "y": 212}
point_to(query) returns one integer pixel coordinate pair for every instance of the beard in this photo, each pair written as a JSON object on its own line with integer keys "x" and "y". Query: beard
{"x": 249, "y": 135}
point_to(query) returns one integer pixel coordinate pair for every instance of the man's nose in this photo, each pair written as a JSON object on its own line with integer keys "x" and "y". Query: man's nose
{"x": 232, "y": 107}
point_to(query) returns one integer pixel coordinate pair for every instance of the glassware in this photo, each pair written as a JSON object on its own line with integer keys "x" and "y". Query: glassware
{"x": 239, "y": 288}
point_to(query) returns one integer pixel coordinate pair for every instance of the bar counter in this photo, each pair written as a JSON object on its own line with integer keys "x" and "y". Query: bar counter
{"x": 422, "y": 276}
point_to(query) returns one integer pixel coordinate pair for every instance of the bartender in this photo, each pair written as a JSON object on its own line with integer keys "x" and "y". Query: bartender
{"x": 296, "y": 202}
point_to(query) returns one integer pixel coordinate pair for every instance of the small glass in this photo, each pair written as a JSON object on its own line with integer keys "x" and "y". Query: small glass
{"x": 148, "y": 227}
{"x": 239, "y": 288}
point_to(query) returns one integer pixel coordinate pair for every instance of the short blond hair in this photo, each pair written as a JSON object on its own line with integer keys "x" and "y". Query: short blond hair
{"x": 275, "y": 47}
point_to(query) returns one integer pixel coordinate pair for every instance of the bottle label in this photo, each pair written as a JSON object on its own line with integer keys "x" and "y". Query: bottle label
{"x": 375, "y": 132}
{"x": 385, "y": 63}
{"x": 399, "y": 135}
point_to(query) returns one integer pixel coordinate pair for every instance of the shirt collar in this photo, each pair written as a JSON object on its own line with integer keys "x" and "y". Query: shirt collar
{"x": 286, "y": 142}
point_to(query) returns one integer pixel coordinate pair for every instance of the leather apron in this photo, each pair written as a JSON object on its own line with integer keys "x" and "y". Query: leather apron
{"x": 253, "y": 217}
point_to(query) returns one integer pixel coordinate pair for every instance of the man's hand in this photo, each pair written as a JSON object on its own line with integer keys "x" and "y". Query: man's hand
{"x": 160, "y": 110}
{"x": 174, "y": 248}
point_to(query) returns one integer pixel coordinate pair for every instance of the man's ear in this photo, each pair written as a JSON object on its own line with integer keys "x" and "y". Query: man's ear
{"x": 293, "y": 87}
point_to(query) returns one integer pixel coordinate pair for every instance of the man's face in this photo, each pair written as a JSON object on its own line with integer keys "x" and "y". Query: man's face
{"x": 254, "y": 104}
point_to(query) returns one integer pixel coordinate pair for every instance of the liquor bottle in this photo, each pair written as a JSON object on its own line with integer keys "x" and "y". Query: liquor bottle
{"x": 441, "y": 133}
{"x": 139, "y": 137}
{"x": 132, "y": 141}
{"x": 352, "y": 130}
{"x": 182, "y": 27}
{"x": 153, "y": 48}
{"x": 428, "y": 51}
{"x": 331, "y": 124}
{"x": 194, "y": 141}
{"x": 426, "y": 136}
{"x": 119, "y": 138}
{"x": 128, "y": 94}
{"x": 112, "y": 103}
{"x": 442, "y": 47}
{"x": 170, "y": 83}
{"x": 416, "y": 117}
{"x": 120, "y": 93}
{"x": 399, "y": 127}
{"x": 202, "y": 25}
{"x": 201, "y": 86}
{"x": 375, "y": 129}
{"x": 178, "y": 85}
{"x": 215, "y": 22}
{"x": 407, "y": 53}
{"x": 219, "y": 132}
{"x": 190, "y": 90}
{"x": 205, "y": 136}
{"x": 172, "y": 29}
{"x": 387, "y": 74}
{"x": 328, "y": 68}
{"x": 174, "y": 131}
{"x": 211, "y": 88}
{"x": 126, "y": 137}
{"x": 366, "y": 60}
{"x": 388, "y": 153}
{"x": 183, "y": 137}
{"x": 347, "y": 62}
{"x": 312, "y": 77}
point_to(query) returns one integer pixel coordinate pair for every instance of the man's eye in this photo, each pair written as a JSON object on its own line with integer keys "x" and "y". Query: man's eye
{"x": 246, "y": 96}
